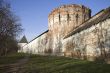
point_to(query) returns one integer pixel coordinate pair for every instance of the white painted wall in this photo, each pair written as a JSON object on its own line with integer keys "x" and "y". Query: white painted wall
{"x": 36, "y": 46}
{"x": 88, "y": 39}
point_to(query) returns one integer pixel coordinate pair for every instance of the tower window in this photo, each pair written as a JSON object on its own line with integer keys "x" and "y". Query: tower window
{"x": 59, "y": 17}
{"x": 77, "y": 16}
{"x": 67, "y": 17}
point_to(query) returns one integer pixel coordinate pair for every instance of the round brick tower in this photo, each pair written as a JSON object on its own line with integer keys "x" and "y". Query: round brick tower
{"x": 64, "y": 19}
{"x": 68, "y": 17}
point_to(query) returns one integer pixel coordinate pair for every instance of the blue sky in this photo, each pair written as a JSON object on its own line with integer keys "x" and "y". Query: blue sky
{"x": 33, "y": 14}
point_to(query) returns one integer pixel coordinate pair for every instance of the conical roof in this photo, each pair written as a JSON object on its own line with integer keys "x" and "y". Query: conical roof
{"x": 23, "y": 40}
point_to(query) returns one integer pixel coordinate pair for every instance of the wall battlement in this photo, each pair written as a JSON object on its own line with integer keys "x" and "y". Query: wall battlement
{"x": 68, "y": 16}
{"x": 66, "y": 6}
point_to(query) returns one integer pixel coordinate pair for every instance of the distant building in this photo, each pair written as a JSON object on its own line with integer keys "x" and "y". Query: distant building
{"x": 21, "y": 43}
{"x": 74, "y": 33}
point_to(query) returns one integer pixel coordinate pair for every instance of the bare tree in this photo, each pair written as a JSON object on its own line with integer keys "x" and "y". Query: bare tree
{"x": 10, "y": 27}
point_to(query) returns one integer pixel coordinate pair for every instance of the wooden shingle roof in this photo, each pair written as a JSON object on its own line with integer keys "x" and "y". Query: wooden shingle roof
{"x": 23, "y": 40}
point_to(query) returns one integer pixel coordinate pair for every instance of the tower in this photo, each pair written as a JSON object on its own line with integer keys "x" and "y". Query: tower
{"x": 63, "y": 20}
{"x": 22, "y": 42}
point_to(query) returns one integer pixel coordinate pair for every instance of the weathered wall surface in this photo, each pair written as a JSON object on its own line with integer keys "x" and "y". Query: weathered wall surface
{"x": 38, "y": 46}
{"x": 21, "y": 45}
{"x": 89, "y": 43}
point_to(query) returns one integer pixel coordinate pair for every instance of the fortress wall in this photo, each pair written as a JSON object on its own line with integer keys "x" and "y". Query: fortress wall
{"x": 74, "y": 33}
{"x": 89, "y": 43}
{"x": 37, "y": 46}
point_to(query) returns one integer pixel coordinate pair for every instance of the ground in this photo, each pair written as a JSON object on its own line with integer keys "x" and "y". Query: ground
{"x": 25, "y": 63}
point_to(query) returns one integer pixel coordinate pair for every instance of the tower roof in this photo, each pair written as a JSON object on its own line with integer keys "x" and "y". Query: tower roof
{"x": 23, "y": 40}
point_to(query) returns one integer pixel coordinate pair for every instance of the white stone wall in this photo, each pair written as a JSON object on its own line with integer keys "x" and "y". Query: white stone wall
{"x": 37, "y": 46}
{"x": 21, "y": 45}
{"x": 90, "y": 42}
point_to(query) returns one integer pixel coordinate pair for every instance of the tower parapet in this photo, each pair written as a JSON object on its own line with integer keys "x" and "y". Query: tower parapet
{"x": 68, "y": 17}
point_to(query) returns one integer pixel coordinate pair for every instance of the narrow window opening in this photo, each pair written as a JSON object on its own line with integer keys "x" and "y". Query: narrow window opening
{"x": 77, "y": 16}
{"x": 67, "y": 17}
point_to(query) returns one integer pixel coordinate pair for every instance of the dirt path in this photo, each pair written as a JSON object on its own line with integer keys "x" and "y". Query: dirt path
{"x": 15, "y": 67}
